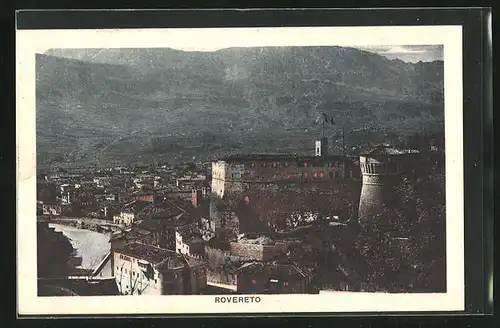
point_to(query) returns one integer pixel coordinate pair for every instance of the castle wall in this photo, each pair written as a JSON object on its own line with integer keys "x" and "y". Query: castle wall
{"x": 257, "y": 252}
{"x": 378, "y": 199}
{"x": 230, "y": 178}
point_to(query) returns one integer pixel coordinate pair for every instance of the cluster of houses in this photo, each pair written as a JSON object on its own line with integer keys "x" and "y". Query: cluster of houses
{"x": 165, "y": 232}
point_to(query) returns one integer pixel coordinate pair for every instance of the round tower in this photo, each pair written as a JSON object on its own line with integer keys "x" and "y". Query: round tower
{"x": 381, "y": 169}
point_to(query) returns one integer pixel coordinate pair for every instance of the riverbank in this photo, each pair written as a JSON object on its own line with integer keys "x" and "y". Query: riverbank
{"x": 91, "y": 246}
{"x": 99, "y": 226}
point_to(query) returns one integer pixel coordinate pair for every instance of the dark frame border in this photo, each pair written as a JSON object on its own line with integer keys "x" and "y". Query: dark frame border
{"x": 477, "y": 132}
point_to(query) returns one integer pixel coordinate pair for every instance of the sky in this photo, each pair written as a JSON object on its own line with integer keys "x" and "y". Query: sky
{"x": 413, "y": 53}
{"x": 407, "y": 53}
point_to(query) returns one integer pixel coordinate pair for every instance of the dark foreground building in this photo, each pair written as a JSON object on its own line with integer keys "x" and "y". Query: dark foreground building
{"x": 264, "y": 278}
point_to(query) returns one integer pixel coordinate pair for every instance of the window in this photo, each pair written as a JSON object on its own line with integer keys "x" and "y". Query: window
{"x": 305, "y": 164}
{"x": 133, "y": 273}
{"x": 253, "y": 282}
{"x": 156, "y": 281}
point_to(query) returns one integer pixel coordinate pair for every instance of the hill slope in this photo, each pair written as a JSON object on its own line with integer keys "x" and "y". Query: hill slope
{"x": 132, "y": 104}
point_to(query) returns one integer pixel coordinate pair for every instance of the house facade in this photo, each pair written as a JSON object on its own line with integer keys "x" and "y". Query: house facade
{"x": 141, "y": 269}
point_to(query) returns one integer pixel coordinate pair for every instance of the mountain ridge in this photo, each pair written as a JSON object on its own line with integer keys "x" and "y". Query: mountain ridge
{"x": 169, "y": 103}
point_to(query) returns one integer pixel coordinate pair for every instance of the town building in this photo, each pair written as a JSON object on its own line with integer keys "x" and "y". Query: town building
{"x": 260, "y": 248}
{"x": 189, "y": 241}
{"x": 141, "y": 269}
{"x": 143, "y": 195}
{"x": 158, "y": 225}
{"x": 272, "y": 278}
{"x": 130, "y": 212}
{"x": 52, "y": 209}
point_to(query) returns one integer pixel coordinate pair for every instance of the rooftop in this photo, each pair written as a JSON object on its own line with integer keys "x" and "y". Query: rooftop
{"x": 152, "y": 254}
{"x": 272, "y": 269}
{"x": 136, "y": 205}
{"x": 278, "y": 157}
{"x": 194, "y": 239}
{"x": 386, "y": 149}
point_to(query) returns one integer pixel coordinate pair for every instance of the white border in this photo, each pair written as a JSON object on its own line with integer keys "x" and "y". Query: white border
{"x": 29, "y": 42}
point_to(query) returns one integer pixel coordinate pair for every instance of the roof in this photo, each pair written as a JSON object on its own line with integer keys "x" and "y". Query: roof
{"x": 136, "y": 205}
{"x": 279, "y": 157}
{"x": 273, "y": 270}
{"x": 135, "y": 233}
{"x": 386, "y": 149}
{"x": 263, "y": 240}
{"x": 172, "y": 262}
{"x": 101, "y": 265}
{"x": 152, "y": 254}
{"x": 194, "y": 239}
{"x": 166, "y": 209}
{"x": 193, "y": 262}
{"x": 185, "y": 230}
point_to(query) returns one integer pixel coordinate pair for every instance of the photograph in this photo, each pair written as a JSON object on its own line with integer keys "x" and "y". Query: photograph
{"x": 237, "y": 172}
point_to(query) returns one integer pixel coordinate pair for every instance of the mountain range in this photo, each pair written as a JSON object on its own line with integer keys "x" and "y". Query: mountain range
{"x": 129, "y": 105}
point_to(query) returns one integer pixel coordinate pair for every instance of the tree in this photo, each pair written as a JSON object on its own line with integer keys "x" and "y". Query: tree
{"x": 408, "y": 253}
{"x": 135, "y": 284}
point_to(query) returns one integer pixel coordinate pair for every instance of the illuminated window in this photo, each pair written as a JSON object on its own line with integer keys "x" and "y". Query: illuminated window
{"x": 285, "y": 283}
{"x": 289, "y": 177}
{"x": 305, "y": 164}
{"x": 321, "y": 174}
{"x": 305, "y": 174}
{"x": 315, "y": 174}
{"x": 253, "y": 282}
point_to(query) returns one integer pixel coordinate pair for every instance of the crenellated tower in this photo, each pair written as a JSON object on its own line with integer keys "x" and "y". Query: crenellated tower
{"x": 381, "y": 169}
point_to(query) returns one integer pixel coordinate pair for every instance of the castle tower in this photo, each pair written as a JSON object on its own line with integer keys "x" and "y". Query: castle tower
{"x": 381, "y": 169}
{"x": 321, "y": 146}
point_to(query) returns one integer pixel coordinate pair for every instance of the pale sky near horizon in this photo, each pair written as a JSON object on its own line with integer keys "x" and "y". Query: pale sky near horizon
{"x": 410, "y": 53}
{"x": 407, "y": 53}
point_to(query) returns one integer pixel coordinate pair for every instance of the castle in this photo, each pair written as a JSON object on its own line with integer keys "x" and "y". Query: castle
{"x": 237, "y": 173}
{"x": 382, "y": 168}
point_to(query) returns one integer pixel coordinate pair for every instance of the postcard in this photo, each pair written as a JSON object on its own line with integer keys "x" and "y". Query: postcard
{"x": 240, "y": 170}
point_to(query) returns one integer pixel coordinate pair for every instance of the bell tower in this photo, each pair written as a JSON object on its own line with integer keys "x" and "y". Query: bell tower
{"x": 321, "y": 147}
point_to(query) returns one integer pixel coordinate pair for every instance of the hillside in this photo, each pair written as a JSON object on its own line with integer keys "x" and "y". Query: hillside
{"x": 148, "y": 104}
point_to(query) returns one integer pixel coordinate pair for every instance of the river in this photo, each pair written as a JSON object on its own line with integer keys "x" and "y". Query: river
{"x": 91, "y": 246}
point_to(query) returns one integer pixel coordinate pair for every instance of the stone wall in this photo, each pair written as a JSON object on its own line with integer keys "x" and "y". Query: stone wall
{"x": 247, "y": 251}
